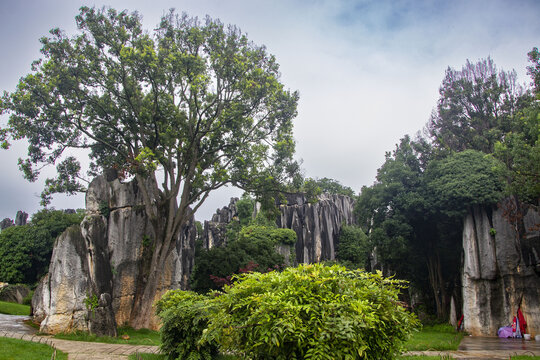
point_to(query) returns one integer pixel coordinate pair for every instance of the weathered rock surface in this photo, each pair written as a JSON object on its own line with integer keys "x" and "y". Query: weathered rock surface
{"x": 14, "y": 293}
{"x": 20, "y": 218}
{"x": 317, "y": 225}
{"x": 76, "y": 293}
{"x": 500, "y": 271}
{"x": 97, "y": 267}
{"x": 215, "y": 229}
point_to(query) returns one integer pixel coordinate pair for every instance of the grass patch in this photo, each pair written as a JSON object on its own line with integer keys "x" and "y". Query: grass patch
{"x": 14, "y": 308}
{"x": 436, "y": 337}
{"x": 525, "y": 357}
{"x": 136, "y": 337}
{"x": 26, "y": 350}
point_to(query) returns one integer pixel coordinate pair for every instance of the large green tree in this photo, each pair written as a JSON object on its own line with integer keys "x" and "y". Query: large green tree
{"x": 194, "y": 100}
{"x": 476, "y": 107}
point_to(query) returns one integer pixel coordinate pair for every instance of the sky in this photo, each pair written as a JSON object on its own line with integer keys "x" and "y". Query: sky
{"x": 368, "y": 72}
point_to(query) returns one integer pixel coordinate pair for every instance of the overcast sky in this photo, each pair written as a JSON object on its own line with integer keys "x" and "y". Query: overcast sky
{"x": 368, "y": 72}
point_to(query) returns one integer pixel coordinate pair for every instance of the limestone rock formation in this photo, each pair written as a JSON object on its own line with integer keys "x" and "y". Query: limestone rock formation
{"x": 215, "y": 229}
{"x": 20, "y": 218}
{"x": 97, "y": 267}
{"x": 317, "y": 225}
{"x": 13, "y": 293}
{"x": 76, "y": 293}
{"x": 7, "y": 222}
{"x": 500, "y": 271}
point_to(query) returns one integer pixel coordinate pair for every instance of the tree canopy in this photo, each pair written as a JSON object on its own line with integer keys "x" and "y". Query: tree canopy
{"x": 196, "y": 99}
{"x": 476, "y": 107}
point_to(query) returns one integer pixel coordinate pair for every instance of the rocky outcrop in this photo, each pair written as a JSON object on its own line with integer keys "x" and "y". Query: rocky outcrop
{"x": 97, "y": 267}
{"x": 216, "y": 228}
{"x": 317, "y": 225}
{"x": 20, "y": 218}
{"x": 13, "y": 293}
{"x": 76, "y": 294}
{"x": 501, "y": 271}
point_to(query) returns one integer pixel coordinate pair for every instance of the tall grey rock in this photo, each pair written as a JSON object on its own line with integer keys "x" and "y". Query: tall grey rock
{"x": 20, "y": 218}
{"x": 500, "y": 271}
{"x": 97, "y": 268}
{"x": 214, "y": 230}
{"x": 317, "y": 225}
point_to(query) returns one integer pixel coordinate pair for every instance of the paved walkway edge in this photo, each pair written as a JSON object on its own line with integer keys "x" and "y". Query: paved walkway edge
{"x": 475, "y": 354}
{"x": 90, "y": 348}
{"x": 83, "y": 347}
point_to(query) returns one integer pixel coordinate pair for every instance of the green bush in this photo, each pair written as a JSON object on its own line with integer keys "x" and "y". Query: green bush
{"x": 311, "y": 312}
{"x": 256, "y": 233}
{"x": 353, "y": 247}
{"x": 184, "y": 315}
{"x": 28, "y": 298}
{"x": 254, "y": 244}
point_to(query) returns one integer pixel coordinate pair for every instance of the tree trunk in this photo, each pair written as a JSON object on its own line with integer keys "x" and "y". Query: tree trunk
{"x": 437, "y": 285}
{"x": 154, "y": 258}
{"x": 151, "y": 273}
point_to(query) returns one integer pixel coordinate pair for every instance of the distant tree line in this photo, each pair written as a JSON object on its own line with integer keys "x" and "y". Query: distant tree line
{"x": 25, "y": 251}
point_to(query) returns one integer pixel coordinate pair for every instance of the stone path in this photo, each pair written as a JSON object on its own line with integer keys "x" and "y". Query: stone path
{"x": 15, "y": 323}
{"x": 13, "y": 327}
{"x": 474, "y": 347}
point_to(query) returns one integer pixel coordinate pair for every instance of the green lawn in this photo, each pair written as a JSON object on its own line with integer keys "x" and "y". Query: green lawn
{"x": 15, "y": 349}
{"x": 136, "y": 337}
{"x": 14, "y": 308}
{"x": 437, "y": 337}
{"x": 525, "y": 357}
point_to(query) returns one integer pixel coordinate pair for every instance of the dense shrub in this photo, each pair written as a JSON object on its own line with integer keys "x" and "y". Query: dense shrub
{"x": 254, "y": 244}
{"x": 184, "y": 316}
{"x": 353, "y": 247}
{"x": 311, "y": 312}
